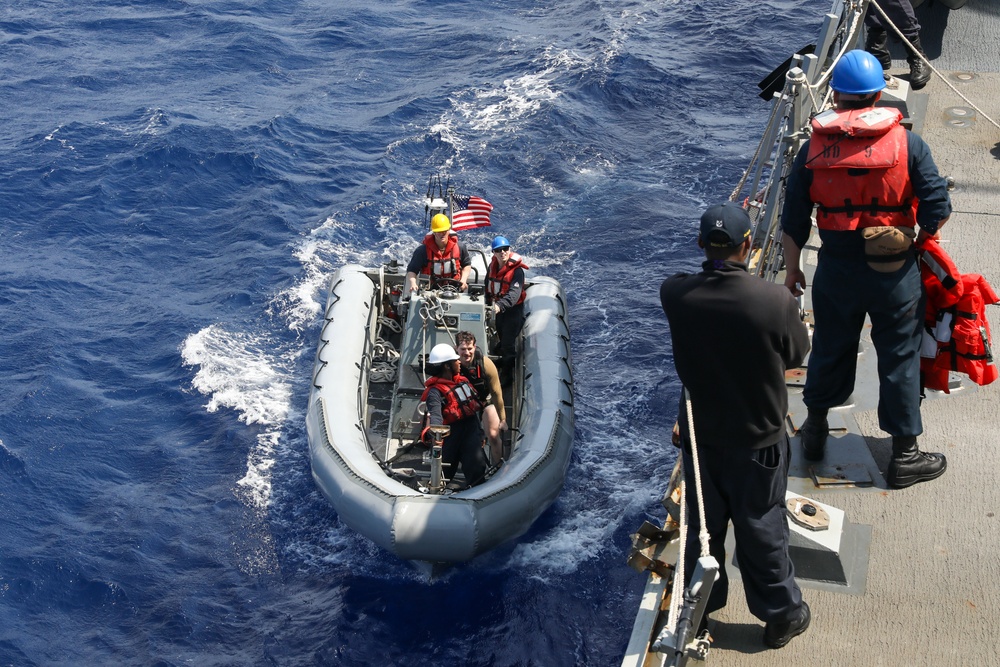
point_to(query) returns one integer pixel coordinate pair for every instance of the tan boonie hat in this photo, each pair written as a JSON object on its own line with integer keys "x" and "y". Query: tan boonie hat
{"x": 886, "y": 248}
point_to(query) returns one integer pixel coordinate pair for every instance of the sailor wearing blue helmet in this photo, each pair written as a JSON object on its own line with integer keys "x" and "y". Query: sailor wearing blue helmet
{"x": 874, "y": 185}
{"x": 505, "y": 292}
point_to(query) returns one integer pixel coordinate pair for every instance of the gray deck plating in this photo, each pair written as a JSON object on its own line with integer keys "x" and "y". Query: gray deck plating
{"x": 932, "y": 591}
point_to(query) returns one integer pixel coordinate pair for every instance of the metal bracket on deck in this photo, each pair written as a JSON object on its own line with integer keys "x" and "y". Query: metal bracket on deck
{"x": 654, "y": 549}
{"x": 679, "y": 644}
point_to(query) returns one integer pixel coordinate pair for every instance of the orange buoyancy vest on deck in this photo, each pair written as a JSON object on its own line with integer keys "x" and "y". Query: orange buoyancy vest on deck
{"x": 500, "y": 277}
{"x": 859, "y": 159}
{"x": 443, "y": 263}
{"x": 956, "y": 332}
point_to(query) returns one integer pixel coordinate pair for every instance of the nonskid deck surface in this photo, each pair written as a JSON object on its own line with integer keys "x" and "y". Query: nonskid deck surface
{"x": 929, "y": 594}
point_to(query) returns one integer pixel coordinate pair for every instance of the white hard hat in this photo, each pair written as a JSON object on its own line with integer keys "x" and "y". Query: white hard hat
{"x": 441, "y": 353}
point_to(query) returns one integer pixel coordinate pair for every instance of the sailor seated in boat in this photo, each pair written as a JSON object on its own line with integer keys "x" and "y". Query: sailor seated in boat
{"x": 482, "y": 373}
{"x": 441, "y": 256}
{"x": 452, "y": 400}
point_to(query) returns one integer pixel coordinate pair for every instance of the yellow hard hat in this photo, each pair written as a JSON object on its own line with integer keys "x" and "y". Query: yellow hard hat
{"x": 440, "y": 223}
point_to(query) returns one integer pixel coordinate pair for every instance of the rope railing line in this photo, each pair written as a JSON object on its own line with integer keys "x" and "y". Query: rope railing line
{"x": 676, "y": 601}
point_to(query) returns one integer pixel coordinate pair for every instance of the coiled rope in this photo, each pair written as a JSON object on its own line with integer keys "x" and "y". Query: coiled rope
{"x": 385, "y": 357}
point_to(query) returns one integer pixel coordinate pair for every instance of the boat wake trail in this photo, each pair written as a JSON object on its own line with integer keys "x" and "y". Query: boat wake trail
{"x": 241, "y": 371}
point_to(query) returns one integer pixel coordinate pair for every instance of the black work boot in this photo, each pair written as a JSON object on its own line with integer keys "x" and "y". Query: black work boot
{"x": 777, "y": 635}
{"x": 875, "y": 44}
{"x": 920, "y": 73}
{"x": 813, "y": 434}
{"x": 909, "y": 465}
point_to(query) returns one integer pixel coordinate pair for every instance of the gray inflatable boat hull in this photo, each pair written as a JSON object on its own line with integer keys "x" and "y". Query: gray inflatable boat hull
{"x": 427, "y": 527}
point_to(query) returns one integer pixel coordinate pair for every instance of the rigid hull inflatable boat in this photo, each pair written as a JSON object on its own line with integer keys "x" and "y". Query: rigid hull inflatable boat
{"x": 367, "y": 442}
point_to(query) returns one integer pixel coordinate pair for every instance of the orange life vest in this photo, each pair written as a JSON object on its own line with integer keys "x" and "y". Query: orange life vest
{"x": 458, "y": 397}
{"x": 443, "y": 263}
{"x": 499, "y": 278}
{"x": 859, "y": 159}
{"x": 956, "y": 332}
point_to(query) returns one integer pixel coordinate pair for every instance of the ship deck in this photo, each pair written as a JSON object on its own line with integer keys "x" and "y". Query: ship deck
{"x": 926, "y": 585}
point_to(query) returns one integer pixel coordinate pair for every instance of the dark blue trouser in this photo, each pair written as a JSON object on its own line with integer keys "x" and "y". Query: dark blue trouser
{"x": 739, "y": 488}
{"x": 509, "y": 325}
{"x": 843, "y": 292}
{"x": 900, "y": 12}
{"x": 464, "y": 446}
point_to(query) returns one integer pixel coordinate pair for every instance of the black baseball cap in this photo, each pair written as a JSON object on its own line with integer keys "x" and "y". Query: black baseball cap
{"x": 725, "y": 225}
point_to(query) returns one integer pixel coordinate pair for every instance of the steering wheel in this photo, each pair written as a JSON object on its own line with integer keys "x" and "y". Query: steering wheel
{"x": 449, "y": 287}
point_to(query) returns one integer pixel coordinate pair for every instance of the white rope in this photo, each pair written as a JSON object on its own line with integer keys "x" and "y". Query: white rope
{"x": 423, "y": 347}
{"x": 703, "y": 537}
{"x": 914, "y": 52}
{"x": 847, "y": 41}
{"x": 382, "y": 372}
{"x": 676, "y": 601}
{"x": 799, "y": 79}
{"x": 389, "y": 323}
{"x": 385, "y": 362}
{"x": 434, "y": 309}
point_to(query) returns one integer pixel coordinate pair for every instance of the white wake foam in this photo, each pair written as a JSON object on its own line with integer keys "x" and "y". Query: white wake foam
{"x": 240, "y": 371}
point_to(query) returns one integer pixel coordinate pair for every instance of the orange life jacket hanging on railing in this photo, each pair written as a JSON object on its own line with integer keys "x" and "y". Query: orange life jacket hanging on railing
{"x": 956, "y": 331}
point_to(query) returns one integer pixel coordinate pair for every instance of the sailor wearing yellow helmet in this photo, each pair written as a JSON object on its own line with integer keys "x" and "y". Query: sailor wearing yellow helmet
{"x": 441, "y": 256}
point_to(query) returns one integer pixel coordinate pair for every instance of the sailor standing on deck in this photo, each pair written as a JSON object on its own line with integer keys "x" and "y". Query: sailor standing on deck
{"x": 734, "y": 335}
{"x": 900, "y": 12}
{"x": 873, "y": 182}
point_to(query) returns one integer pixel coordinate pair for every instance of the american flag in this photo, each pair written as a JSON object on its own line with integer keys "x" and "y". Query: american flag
{"x": 473, "y": 212}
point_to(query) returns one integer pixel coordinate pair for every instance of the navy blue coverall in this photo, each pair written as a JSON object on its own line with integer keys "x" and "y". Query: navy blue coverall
{"x": 845, "y": 289}
{"x": 900, "y": 12}
{"x": 462, "y": 446}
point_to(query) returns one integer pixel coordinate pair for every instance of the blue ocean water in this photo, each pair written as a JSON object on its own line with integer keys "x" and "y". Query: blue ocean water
{"x": 178, "y": 179}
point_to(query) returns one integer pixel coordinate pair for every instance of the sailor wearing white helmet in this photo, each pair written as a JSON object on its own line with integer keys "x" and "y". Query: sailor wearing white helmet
{"x": 451, "y": 399}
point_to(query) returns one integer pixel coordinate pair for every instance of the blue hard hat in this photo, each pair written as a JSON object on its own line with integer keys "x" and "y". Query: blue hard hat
{"x": 858, "y": 73}
{"x": 500, "y": 242}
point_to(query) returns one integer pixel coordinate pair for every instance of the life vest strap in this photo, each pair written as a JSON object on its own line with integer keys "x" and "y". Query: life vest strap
{"x": 872, "y": 209}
